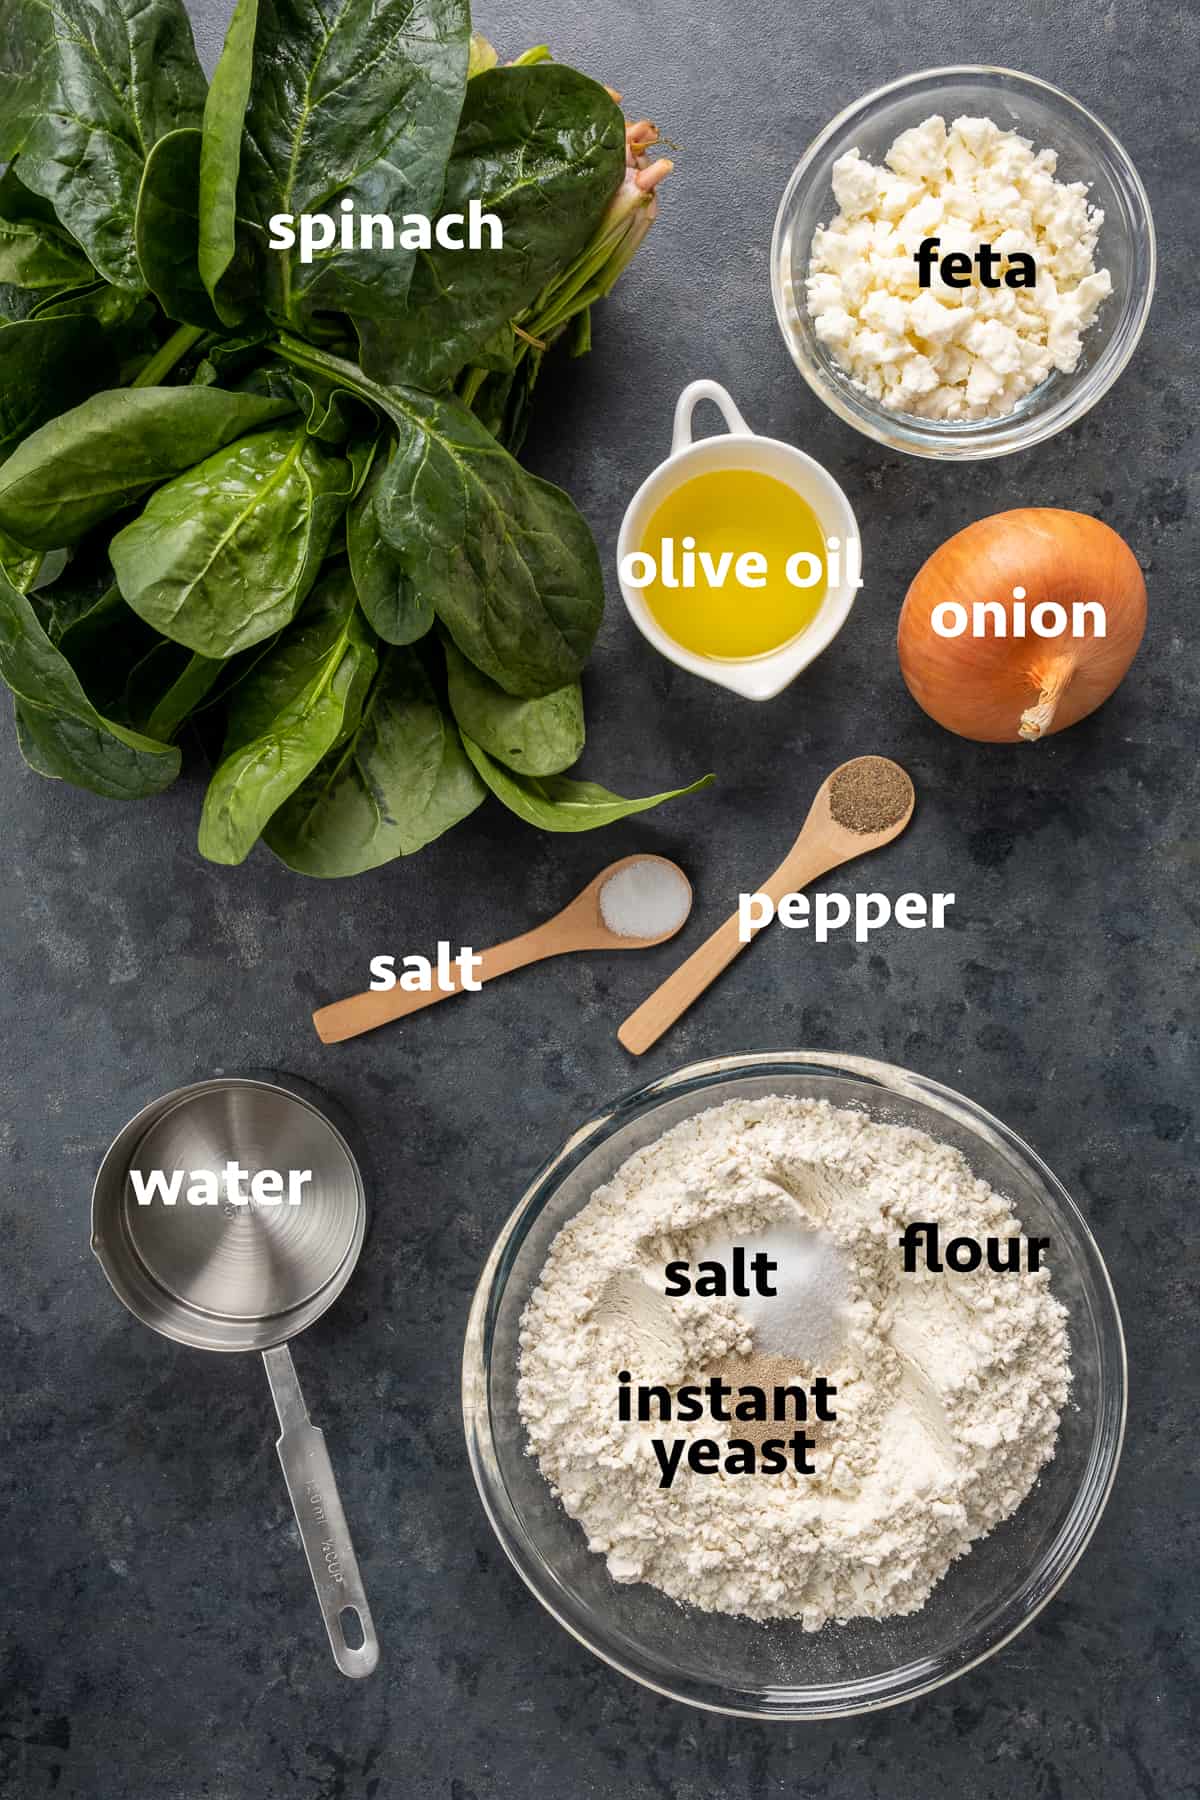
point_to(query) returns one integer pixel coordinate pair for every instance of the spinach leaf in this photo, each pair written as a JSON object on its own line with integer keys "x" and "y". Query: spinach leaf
{"x": 15, "y": 303}
{"x": 128, "y": 320}
{"x": 557, "y": 804}
{"x": 398, "y": 783}
{"x": 96, "y": 754}
{"x": 358, "y": 102}
{"x": 66, "y": 734}
{"x": 82, "y": 581}
{"x": 543, "y": 149}
{"x": 167, "y": 229}
{"x": 47, "y": 365}
{"x": 503, "y": 401}
{"x": 50, "y": 567}
{"x": 227, "y": 282}
{"x": 395, "y": 608}
{"x": 535, "y": 737}
{"x": 299, "y": 702}
{"x": 222, "y": 556}
{"x": 505, "y": 559}
{"x": 125, "y": 74}
{"x": 100, "y": 645}
{"x": 95, "y": 299}
{"x": 230, "y": 359}
{"x": 28, "y": 746}
{"x": 331, "y": 413}
{"x": 97, "y": 458}
{"x": 26, "y": 69}
{"x": 166, "y": 686}
{"x": 21, "y": 566}
{"x": 35, "y": 252}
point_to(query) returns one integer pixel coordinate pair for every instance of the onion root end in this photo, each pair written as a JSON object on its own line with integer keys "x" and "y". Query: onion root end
{"x": 1038, "y": 721}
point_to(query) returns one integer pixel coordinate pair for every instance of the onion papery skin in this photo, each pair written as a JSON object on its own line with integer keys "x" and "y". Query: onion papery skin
{"x": 1011, "y": 690}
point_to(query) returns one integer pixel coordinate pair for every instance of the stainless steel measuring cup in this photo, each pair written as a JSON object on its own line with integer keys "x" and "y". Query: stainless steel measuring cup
{"x": 248, "y": 1276}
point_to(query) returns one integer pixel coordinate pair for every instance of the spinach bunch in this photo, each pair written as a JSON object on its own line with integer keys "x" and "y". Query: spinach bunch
{"x": 279, "y": 498}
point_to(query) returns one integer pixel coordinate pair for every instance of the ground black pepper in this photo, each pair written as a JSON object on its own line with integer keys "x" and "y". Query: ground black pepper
{"x": 869, "y": 794}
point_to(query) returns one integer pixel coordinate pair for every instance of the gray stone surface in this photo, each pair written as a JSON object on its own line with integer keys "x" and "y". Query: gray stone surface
{"x": 161, "y": 1640}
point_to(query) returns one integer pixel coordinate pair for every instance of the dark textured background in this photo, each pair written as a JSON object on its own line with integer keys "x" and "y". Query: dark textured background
{"x": 161, "y": 1637}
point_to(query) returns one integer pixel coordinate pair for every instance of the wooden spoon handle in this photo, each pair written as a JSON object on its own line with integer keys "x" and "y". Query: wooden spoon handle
{"x": 804, "y": 862}
{"x": 363, "y": 1012}
{"x": 656, "y": 1014}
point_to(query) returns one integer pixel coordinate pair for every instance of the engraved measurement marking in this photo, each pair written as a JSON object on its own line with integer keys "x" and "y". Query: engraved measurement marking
{"x": 333, "y": 1564}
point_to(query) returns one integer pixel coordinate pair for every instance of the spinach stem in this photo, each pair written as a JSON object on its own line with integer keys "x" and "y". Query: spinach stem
{"x": 472, "y": 380}
{"x": 167, "y": 355}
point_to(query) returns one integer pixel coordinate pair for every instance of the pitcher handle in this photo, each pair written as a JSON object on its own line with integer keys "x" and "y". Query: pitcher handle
{"x": 690, "y": 399}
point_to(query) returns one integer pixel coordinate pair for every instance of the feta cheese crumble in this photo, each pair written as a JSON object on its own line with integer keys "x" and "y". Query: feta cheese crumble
{"x": 942, "y": 352}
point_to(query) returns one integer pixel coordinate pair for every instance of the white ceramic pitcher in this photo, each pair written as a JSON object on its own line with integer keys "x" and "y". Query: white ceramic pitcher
{"x": 757, "y": 677}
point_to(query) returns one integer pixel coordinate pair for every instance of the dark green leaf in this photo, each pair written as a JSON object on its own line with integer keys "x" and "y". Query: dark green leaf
{"x": 46, "y": 365}
{"x": 95, "y": 299}
{"x": 101, "y": 644}
{"x": 332, "y": 413}
{"x": 99, "y": 755}
{"x": 228, "y": 359}
{"x": 535, "y": 737}
{"x": 66, "y": 735}
{"x": 87, "y": 464}
{"x": 15, "y": 303}
{"x": 400, "y": 781}
{"x": 300, "y": 701}
{"x": 26, "y": 69}
{"x": 395, "y": 608}
{"x": 361, "y": 452}
{"x": 82, "y": 583}
{"x": 220, "y": 161}
{"x": 543, "y": 149}
{"x": 559, "y": 804}
{"x": 503, "y": 401}
{"x": 18, "y": 564}
{"x": 357, "y": 103}
{"x": 35, "y": 252}
{"x": 50, "y": 567}
{"x": 506, "y": 560}
{"x": 165, "y": 687}
{"x": 128, "y": 320}
{"x": 125, "y": 74}
{"x": 167, "y": 229}
{"x": 222, "y": 556}
{"x": 29, "y": 748}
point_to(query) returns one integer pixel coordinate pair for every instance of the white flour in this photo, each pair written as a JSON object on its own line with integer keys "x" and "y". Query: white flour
{"x": 949, "y": 1386}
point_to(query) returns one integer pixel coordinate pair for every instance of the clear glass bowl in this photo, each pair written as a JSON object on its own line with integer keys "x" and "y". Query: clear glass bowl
{"x": 778, "y": 1670}
{"x": 1087, "y": 151}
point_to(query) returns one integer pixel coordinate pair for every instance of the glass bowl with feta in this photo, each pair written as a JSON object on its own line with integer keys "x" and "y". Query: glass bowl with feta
{"x": 963, "y": 262}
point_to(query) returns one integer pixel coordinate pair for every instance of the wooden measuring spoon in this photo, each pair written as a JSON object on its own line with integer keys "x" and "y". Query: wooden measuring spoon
{"x": 579, "y": 926}
{"x": 823, "y": 844}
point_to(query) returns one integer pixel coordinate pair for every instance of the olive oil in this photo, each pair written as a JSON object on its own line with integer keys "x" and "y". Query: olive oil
{"x": 714, "y": 519}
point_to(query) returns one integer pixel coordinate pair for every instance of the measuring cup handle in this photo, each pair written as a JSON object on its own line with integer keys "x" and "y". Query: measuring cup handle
{"x": 324, "y": 1533}
{"x": 689, "y": 400}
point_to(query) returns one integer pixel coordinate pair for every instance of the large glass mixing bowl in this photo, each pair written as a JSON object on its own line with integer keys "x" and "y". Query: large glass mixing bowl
{"x": 778, "y": 1670}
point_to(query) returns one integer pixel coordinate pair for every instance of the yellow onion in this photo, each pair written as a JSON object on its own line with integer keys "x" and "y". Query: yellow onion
{"x": 1004, "y": 690}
